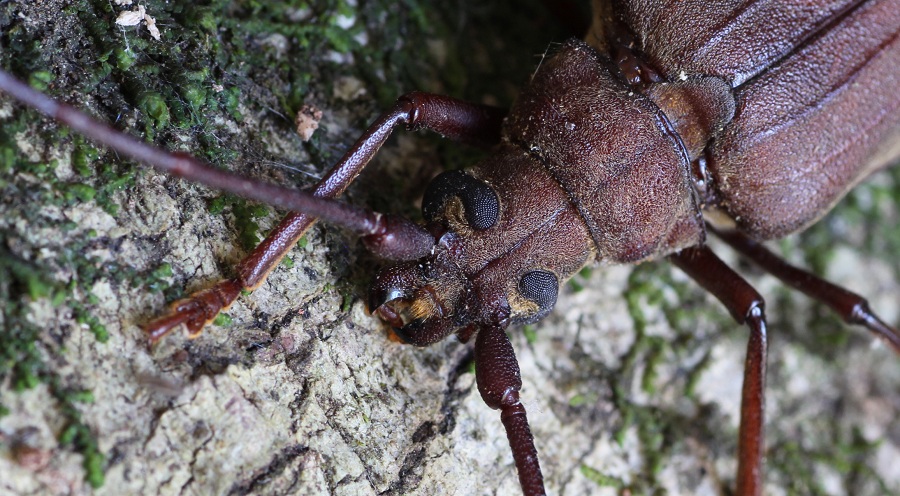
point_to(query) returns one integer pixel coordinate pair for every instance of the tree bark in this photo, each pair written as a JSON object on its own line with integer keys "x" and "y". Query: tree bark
{"x": 631, "y": 385}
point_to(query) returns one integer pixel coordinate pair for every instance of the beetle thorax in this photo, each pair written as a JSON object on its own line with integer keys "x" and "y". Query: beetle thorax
{"x": 558, "y": 193}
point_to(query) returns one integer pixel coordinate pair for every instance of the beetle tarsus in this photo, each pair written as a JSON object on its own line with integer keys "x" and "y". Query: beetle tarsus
{"x": 195, "y": 312}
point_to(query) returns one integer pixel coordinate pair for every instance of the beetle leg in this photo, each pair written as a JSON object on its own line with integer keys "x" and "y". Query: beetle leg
{"x": 746, "y": 306}
{"x": 499, "y": 381}
{"x": 853, "y": 308}
{"x": 455, "y": 119}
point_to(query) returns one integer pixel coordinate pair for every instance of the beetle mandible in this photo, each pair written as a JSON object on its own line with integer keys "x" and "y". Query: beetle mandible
{"x": 681, "y": 229}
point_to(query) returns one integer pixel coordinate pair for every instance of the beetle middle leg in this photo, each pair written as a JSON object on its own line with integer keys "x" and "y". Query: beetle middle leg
{"x": 747, "y": 307}
{"x": 851, "y": 307}
{"x": 455, "y": 119}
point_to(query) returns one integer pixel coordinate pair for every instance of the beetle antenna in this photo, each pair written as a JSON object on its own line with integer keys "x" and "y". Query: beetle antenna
{"x": 387, "y": 236}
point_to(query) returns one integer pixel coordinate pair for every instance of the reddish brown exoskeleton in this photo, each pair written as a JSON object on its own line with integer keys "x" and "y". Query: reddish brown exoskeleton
{"x": 628, "y": 147}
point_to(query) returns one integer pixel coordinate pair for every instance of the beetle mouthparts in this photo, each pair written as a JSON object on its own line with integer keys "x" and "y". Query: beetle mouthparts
{"x": 398, "y": 282}
{"x": 422, "y": 332}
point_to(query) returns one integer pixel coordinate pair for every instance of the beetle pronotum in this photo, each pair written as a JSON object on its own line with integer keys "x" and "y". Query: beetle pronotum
{"x": 314, "y": 461}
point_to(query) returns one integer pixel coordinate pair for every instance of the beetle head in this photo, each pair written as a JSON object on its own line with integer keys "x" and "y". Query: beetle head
{"x": 486, "y": 268}
{"x": 427, "y": 300}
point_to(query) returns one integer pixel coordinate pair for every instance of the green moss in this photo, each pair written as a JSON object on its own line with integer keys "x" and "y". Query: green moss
{"x": 112, "y": 179}
{"x": 80, "y": 192}
{"x": 154, "y": 107}
{"x": 694, "y": 375}
{"x": 83, "y": 158}
{"x": 156, "y": 280}
{"x": 660, "y": 428}
{"x": 230, "y": 99}
{"x": 163, "y": 271}
{"x": 27, "y": 360}
{"x": 222, "y": 320}
{"x": 657, "y": 432}
{"x": 846, "y": 453}
{"x": 346, "y": 301}
{"x": 530, "y": 333}
{"x": 245, "y": 217}
{"x": 80, "y": 437}
{"x": 39, "y": 80}
{"x": 195, "y": 96}
{"x": 124, "y": 58}
{"x": 575, "y": 285}
{"x": 655, "y": 348}
{"x": 22, "y": 358}
{"x": 470, "y": 367}
{"x": 600, "y": 479}
{"x": 583, "y": 399}
{"x": 217, "y": 205}
{"x": 171, "y": 92}
{"x": 81, "y": 396}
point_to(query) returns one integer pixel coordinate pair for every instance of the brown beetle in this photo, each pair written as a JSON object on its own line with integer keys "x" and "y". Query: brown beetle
{"x": 667, "y": 224}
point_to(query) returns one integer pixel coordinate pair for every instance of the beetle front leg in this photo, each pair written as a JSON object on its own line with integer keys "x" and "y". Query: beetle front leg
{"x": 746, "y": 306}
{"x": 458, "y": 120}
{"x": 499, "y": 381}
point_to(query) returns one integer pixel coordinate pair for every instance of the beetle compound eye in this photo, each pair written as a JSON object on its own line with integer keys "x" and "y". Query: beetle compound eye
{"x": 482, "y": 208}
{"x": 540, "y": 287}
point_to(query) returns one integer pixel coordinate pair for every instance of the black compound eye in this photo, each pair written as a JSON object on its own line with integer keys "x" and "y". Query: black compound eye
{"x": 542, "y": 288}
{"x": 479, "y": 201}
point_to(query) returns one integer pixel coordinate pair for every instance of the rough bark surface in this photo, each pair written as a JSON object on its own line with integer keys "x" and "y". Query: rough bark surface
{"x": 632, "y": 384}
